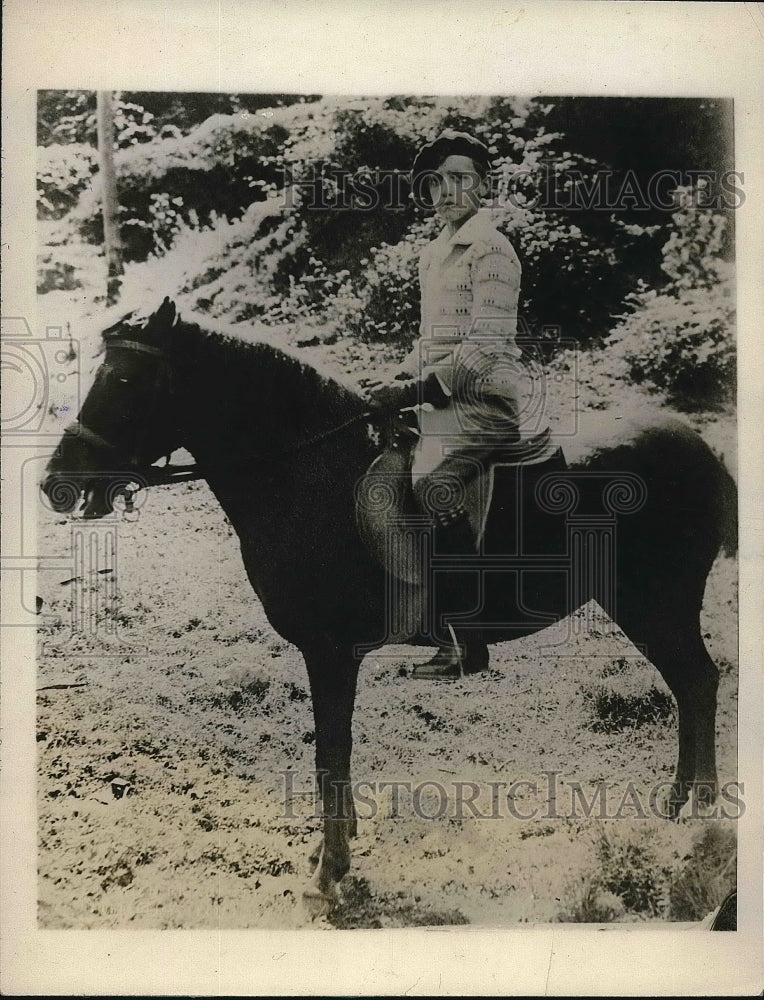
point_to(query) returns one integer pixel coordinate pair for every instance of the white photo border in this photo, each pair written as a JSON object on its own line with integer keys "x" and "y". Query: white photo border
{"x": 361, "y": 47}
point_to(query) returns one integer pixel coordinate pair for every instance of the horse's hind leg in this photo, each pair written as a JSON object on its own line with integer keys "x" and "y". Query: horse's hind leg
{"x": 692, "y": 676}
{"x": 703, "y": 691}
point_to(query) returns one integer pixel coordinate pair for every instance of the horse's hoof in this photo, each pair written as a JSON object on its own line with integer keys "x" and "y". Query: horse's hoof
{"x": 705, "y": 793}
{"x": 703, "y": 810}
{"x": 319, "y": 903}
{"x": 672, "y": 809}
{"x": 689, "y": 801}
{"x": 668, "y": 806}
{"x": 669, "y": 802}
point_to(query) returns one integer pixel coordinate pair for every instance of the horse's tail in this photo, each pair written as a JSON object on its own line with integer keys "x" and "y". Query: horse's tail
{"x": 728, "y": 494}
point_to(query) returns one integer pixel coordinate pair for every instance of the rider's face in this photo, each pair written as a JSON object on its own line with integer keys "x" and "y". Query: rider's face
{"x": 455, "y": 189}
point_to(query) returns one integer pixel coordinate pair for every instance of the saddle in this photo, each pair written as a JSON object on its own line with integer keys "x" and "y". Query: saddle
{"x": 397, "y": 533}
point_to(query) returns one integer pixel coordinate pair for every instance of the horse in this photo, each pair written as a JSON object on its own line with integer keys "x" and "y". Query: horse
{"x": 283, "y": 447}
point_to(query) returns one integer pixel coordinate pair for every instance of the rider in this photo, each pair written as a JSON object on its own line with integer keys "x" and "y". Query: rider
{"x": 465, "y": 364}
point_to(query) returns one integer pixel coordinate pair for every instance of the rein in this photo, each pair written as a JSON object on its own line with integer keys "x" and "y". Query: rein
{"x": 294, "y": 449}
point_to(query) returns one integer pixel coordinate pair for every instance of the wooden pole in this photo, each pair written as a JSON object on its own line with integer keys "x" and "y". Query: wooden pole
{"x": 110, "y": 204}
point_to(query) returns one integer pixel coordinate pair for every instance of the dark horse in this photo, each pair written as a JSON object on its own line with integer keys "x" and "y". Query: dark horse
{"x": 283, "y": 448}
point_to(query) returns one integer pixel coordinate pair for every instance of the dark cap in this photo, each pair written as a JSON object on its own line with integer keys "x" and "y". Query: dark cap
{"x": 450, "y": 143}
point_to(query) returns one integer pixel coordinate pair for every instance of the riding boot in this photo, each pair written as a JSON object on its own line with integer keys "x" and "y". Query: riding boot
{"x": 464, "y": 654}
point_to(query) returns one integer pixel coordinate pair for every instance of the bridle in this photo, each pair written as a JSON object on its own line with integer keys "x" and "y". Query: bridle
{"x": 80, "y": 429}
{"x": 140, "y": 477}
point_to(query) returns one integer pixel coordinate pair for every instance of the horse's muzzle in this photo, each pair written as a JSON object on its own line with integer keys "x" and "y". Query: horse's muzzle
{"x": 63, "y": 493}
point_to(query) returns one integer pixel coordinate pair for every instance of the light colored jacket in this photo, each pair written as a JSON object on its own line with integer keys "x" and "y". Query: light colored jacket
{"x": 470, "y": 285}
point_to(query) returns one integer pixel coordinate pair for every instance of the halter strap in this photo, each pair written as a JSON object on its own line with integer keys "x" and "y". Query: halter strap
{"x": 79, "y": 428}
{"x": 136, "y": 345}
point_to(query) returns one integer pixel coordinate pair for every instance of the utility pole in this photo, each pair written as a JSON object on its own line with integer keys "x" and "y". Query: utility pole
{"x": 110, "y": 205}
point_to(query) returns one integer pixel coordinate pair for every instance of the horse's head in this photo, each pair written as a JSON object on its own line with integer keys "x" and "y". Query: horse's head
{"x": 125, "y": 422}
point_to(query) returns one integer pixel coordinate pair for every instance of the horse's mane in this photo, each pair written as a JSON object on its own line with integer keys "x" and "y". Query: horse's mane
{"x": 261, "y": 348}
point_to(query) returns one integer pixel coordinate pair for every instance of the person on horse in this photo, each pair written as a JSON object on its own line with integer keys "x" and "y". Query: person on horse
{"x": 464, "y": 375}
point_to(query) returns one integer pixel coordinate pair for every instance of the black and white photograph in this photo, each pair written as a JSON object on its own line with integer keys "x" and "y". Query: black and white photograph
{"x": 375, "y": 528}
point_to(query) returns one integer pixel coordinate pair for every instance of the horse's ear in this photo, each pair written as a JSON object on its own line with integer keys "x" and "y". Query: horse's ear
{"x": 162, "y": 320}
{"x": 167, "y": 312}
{"x": 166, "y": 316}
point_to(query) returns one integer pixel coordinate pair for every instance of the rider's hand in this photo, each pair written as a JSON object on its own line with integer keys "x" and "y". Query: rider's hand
{"x": 393, "y": 395}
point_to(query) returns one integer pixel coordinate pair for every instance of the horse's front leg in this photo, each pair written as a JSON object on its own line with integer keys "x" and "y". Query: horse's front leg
{"x": 333, "y": 674}
{"x": 315, "y": 855}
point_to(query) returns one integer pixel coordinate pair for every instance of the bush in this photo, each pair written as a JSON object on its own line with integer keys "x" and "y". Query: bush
{"x": 573, "y": 280}
{"x": 707, "y": 874}
{"x": 692, "y": 256}
{"x": 220, "y": 169}
{"x": 166, "y": 221}
{"x": 55, "y": 275}
{"x": 308, "y": 294}
{"x": 66, "y": 116}
{"x": 628, "y": 881}
{"x": 132, "y": 124}
{"x": 681, "y": 340}
{"x": 362, "y": 168}
{"x": 63, "y": 172}
{"x": 66, "y": 165}
{"x": 682, "y": 344}
{"x": 346, "y": 265}
{"x": 630, "y": 870}
{"x": 588, "y": 903}
{"x": 578, "y": 263}
{"x": 382, "y": 303}
{"x": 245, "y": 261}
